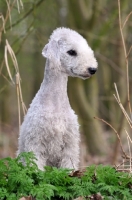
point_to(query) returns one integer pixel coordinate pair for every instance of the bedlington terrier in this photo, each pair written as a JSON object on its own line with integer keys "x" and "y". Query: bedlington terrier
{"x": 50, "y": 128}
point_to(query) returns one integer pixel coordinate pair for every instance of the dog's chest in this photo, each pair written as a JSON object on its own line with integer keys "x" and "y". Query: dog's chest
{"x": 59, "y": 130}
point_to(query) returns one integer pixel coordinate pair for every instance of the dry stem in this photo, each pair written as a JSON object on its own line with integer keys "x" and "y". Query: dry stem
{"x": 121, "y": 106}
{"x": 129, "y": 141}
{"x": 9, "y": 50}
{"x": 125, "y": 155}
{"x": 127, "y": 18}
{"x": 125, "y": 52}
{"x": 18, "y": 101}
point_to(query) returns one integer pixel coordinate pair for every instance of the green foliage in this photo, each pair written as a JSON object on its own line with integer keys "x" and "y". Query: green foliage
{"x": 18, "y": 180}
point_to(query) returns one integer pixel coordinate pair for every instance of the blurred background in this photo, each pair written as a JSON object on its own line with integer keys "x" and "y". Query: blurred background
{"x": 25, "y": 26}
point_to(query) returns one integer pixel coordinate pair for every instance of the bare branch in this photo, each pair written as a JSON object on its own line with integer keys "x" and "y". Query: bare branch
{"x": 126, "y": 156}
{"x": 129, "y": 51}
{"x": 127, "y": 18}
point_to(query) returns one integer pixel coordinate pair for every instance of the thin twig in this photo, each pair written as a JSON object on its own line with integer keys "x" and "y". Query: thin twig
{"x": 20, "y": 94}
{"x": 19, "y": 4}
{"x": 6, "y": 78}
{"x": 2, "y": 65}
{"x": 126, "y": 156}
{"x": 116, "y": 145}
{"x": 129, "y": 51}
{"x": 118, "y": 97}
{"x": 129, "y": 150}
{"x": 3, "y": 23}
{"x": 18, "y": 100}
{"x": 9, "y": 11}
{"x": 122, "y": 163}
{"x": 120, "y": 26}
{"x": 124, "y": 112}
{"x": 127, "y": 18}
{"x": 121, "y": 106}
{"x": 7, "y": 65}
{"x": 125, "y": 53}
{"x": 129, "y": 136}
{"x": 7, "y": 15}
{"x": 18, "y": 79}
{"x": 13, "y": 57}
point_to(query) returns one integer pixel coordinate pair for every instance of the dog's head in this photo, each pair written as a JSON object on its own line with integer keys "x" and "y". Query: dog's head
{"x": 70, "y": 53}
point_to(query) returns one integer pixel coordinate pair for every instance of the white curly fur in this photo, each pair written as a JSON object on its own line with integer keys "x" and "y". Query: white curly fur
{"x": 50, "y": 128}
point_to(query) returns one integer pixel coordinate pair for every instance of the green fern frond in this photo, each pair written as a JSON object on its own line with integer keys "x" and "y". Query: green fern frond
{"x": 21, "y": 177}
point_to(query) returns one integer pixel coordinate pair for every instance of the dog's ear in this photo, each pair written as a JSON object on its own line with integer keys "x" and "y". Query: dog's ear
{"x": 51, "y": 51}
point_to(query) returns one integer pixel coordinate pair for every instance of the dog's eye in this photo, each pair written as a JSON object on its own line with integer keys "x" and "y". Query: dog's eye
{"x": 72, "y": 52}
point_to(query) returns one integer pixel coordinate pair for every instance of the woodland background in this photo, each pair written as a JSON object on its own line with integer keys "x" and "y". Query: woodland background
{"x": 25, "y": 26}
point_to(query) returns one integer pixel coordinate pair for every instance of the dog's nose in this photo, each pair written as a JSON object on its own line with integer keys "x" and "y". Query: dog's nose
{"x": 92, "y": 70}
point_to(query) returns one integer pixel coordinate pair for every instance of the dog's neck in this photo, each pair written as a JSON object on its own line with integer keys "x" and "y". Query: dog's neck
{"x": 54, "y": 89}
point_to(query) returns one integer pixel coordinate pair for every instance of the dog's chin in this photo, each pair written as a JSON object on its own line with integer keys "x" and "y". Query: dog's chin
{"x": 82, "y": 76}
